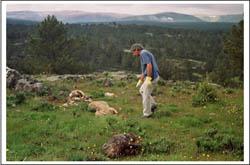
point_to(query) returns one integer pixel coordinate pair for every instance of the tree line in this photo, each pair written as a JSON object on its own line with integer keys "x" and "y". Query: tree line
{"x": 182, "y": 54}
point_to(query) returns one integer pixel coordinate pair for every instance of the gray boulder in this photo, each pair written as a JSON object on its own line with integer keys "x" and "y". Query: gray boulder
{"x": 12, "y": 76}
{"x": 25, "y": 85}
{"x": 22, "y": 82}
{"x": 107, "y": 83}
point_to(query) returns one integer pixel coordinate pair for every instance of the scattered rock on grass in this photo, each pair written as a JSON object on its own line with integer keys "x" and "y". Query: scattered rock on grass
{"x": 12, "y": 77}
{"x": 107, "y": 83}
{"x": 108, "y": 94}
{"x": 22, "y": 82}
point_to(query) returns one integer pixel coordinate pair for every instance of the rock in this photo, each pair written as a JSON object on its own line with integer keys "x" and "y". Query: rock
{"x": 107, "y": 94}
{"x": 37, "y": 87}
{"x": 101, "y": 108}
{"x": 25, "y": 85}
{"x": 52, "y": 78}
{"x": 122, "y": 145}
{"x": 212, "y": 114}
{"x": 30, "y": 79}
{"x": 12, "y": 77}
{"x": 215, "y": 85}
{"x": 22, "y": 82}
{"x": 90, "y": 77}
{"x": 107, "y": 83}
{"x": 73, "y": 77}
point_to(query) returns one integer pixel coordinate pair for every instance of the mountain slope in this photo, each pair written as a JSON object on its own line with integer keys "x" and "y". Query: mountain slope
{"x": 84, "y": 17}
{"x": 231, "y": 18}
{"x": 223, "y": 18}
{"x": 25, "y": 15}
{"x": 66, "y": 16}
{"x": 165, "y": 17}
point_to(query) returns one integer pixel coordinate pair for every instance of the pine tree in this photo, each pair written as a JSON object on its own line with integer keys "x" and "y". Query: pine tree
{"x": 233, "y": 47}
{"x": 49, "y": 46}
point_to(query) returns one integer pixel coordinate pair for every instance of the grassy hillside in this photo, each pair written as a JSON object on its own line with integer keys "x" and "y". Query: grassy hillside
{"x": 39, "y": 128}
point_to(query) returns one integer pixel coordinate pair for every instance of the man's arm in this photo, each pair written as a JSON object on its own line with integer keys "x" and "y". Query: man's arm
{"x": 142, "y": 77}
{"x": 149, "y": 70}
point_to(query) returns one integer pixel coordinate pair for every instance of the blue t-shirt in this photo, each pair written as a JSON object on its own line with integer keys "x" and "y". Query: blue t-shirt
{"x": 148, "y": 58}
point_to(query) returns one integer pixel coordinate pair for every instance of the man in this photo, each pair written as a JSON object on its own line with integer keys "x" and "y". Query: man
{"x": 148, "y": 79}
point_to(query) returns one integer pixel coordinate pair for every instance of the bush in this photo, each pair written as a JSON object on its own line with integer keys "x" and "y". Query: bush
{"x": 17, "y": 99}
{"x": 234, "y": 82}
{"x": 228, "y": 91}
{"x": 158, "y": 146}
{"x": 176, "y": 88}
{"x": 20, "y": 98}
{"x": 161, "y": 82}
{"x": 205, "y": 94}
{"x": 214, "y": 141}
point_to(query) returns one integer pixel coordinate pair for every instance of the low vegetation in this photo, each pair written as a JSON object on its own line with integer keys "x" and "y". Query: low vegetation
{"x": 40, "y": 128}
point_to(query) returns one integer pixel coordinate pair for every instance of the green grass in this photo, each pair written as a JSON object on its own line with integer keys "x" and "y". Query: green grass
{"x": 39, "y": 128}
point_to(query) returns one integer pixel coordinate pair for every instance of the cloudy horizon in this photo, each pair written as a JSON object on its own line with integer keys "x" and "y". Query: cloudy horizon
{"x": 135, "y": 9}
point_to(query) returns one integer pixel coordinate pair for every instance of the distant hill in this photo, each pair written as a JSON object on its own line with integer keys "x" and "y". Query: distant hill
{"x": 21, "y": 21}
{"x": 67, "y": 16}
{"x": 82, "y": 17}
{"x": 25, "y": 15}
{"x": 164, "y": 17}
{"x": 223, "y": 18}
{"x": 231, "y": 18}
{"x": 88, "y": 17}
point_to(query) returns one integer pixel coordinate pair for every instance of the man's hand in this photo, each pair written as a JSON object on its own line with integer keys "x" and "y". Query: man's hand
{"x": 148, "y": 80}
{"x": 139, "y": 83}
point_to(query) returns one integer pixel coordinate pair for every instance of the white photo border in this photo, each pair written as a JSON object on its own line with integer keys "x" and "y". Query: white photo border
{"x": 246, "y": 82}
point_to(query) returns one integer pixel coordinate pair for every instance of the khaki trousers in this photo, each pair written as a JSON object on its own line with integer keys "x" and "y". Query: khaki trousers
{"x": 147, "y": 100}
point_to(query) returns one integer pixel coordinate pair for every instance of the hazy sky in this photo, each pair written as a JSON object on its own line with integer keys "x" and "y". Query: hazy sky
{"x": 136, "y": 9}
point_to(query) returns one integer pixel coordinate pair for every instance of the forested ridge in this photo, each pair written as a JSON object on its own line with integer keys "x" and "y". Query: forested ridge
{"x": 181, "y": 53}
